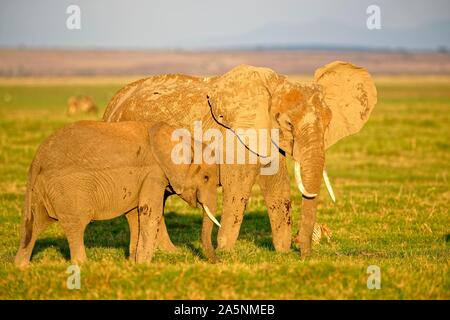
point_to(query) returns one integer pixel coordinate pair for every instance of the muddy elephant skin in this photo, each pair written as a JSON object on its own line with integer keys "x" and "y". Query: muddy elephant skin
{"x": 310, "y": 118}
{"x": 92, "y": 170}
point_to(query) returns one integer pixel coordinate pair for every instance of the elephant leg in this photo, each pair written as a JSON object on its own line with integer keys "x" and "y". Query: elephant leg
{"x": 133, "y": 223}
{"x": 150, "y": 209}
{"x": 237, "y": 182}
{"x": 163, "y": 241}
{"x": 29, "y": 234}
{"x": 276, "y": 192}
{"x": 207, "y": 227}
{"x": 74, "y": 230}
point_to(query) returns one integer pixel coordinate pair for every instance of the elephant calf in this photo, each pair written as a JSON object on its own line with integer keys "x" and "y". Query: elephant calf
{"x": 95, "y": 171}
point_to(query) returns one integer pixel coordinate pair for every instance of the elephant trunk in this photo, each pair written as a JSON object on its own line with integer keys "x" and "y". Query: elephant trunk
{"x": 309, "y": 155}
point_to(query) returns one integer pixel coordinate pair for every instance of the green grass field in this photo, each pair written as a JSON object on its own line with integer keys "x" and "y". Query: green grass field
{"x": 392, "y": 211}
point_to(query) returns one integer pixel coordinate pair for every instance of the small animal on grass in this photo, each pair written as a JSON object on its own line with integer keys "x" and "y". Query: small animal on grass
{"x": 92, "y": 170}
{"x": 320, "y": 231}
{"x": 80, "y": 104}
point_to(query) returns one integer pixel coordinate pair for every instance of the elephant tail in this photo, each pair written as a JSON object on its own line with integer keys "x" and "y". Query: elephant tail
{"x": 28, "y": 214}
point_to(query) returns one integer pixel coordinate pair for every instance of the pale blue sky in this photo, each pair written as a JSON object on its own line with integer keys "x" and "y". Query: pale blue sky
{"x": 232, "y": 23}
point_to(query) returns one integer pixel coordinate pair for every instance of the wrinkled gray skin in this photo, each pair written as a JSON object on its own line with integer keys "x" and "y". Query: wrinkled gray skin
{"x": 310, "y": 118}
{"x": 95, "y": 171}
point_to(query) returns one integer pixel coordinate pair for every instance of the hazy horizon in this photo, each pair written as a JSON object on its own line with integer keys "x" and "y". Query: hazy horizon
{"x": 201, "y": 24}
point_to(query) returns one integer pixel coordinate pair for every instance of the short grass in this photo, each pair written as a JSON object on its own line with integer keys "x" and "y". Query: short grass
{"x": 391, "y": 182}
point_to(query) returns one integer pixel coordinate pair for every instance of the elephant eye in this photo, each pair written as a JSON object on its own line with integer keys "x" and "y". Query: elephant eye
{"x": 205, "y": 178}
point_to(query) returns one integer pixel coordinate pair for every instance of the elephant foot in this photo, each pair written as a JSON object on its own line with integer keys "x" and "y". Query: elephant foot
{"x": 282, "y": 245}
{"x": 283, "y": 249}
{"x": 143, "y": 259}
{"x": 226, "y": 239}
{"x": 21, "y": 264}
{"x": 78, "y": 255}
{"x": 224, "y": 245}
{"x": 305, "y": 254}
{"x": 224, "y": 249}
{"x": 144, "y": 255}
{"x": 163, "y": 241}
{"x": 167, "y": 246}
{"x": 79, "y": 260}
{"x": 22, "y": 259}
{"x": 212, "y": 258}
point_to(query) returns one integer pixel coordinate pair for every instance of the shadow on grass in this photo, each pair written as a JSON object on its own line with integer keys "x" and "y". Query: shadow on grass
{"x": 184, "y": 230}
{"x": 99, "y": 234}
{"x": 256, "y": 228}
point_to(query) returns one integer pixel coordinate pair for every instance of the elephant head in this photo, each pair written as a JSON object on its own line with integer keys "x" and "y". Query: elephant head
{"x": 194, "y": 183}
{"x": 310, "y": 118}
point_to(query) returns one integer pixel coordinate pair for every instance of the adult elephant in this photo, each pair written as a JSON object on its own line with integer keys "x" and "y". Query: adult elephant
{"x": 310, "y": 119}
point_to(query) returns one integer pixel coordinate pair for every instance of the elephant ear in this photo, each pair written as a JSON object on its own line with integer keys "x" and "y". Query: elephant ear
{"x": 351, "y": 95}
{"x": 173, "y": 151}
{"x": 241, "y": 99}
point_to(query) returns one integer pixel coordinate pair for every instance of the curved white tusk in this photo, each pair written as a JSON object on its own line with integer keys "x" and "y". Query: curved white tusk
{"x": 328, "y": 184}
{"x": 298, "y": 179}
{"x": 210, "y": 215}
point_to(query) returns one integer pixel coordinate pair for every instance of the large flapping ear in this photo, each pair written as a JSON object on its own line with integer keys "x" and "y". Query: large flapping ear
{"x": 351, "y": 95}
{"x": 241, "y": 99}
{"x": 173, "y": 151}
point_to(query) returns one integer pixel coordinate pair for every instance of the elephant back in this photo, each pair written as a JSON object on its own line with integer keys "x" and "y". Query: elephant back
{"x": 176, "y": 99}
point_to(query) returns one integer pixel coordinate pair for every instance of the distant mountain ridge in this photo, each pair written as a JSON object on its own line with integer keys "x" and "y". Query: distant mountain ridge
{"x": 328, "y": 34}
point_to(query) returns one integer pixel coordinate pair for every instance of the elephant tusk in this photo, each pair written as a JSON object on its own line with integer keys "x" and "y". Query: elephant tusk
{"x": 328, "y": 184}
{"x": 298, "y": 179}
{"x": 211, "y": 216}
